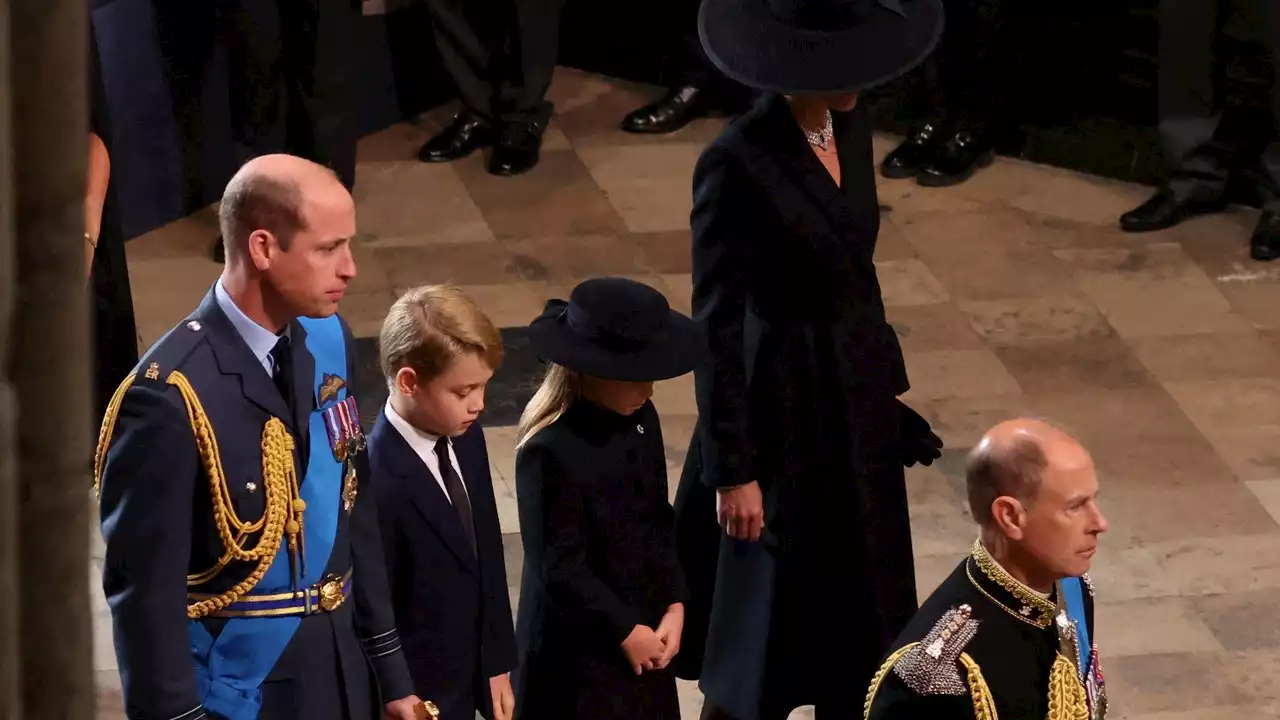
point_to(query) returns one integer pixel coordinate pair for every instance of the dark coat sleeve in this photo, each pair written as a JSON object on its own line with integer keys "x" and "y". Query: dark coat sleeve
{"x": 664, "y": 516}
{"x": 895, "y": 701}
{"x": 555, "y": 500}
{"x": 498, "y": 638}
{"x": 720, "y": 231}
{"x": 147, "y": 490}
{"x": 374, "y": 616}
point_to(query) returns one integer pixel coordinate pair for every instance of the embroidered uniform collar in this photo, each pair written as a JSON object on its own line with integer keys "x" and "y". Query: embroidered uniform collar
{"x": 1008, "y": 592}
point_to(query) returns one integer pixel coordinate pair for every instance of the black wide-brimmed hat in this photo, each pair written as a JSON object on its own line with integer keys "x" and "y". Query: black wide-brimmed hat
{"x": 818, "y": 46}
{"x": 617, "y": 329}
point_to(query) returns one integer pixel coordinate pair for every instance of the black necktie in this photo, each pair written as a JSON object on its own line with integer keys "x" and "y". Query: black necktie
{"x": 457, "y": 493}
{"x": 282, "y": 370}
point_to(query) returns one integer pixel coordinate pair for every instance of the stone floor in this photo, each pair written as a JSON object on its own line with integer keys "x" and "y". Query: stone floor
{"x": 1013, "y": 294}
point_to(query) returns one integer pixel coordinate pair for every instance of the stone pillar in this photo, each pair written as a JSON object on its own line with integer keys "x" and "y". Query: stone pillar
{"x": 49, "y": 354}
{"x": 10, "y": 698}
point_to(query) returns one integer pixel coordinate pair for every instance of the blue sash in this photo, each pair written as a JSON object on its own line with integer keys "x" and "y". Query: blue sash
{"x": 230, "y": 669}
{"x": 1073, "y": 593}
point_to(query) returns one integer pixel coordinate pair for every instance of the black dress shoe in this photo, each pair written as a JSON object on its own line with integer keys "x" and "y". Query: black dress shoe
{"x": 467, "y": 133}
{"x": 956, "y": 161}
{"x": 1164, "y": 210}
{"x": 517, "y": 149}
{"x": 912, "y": 155}
{"x": 1265, "y": 245}
{"x": 681, "y": 106}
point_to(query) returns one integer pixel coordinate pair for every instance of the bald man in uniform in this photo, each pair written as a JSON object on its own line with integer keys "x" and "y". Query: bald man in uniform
{"x": 243, "y": 562}
{"x": 1010, "y": 633}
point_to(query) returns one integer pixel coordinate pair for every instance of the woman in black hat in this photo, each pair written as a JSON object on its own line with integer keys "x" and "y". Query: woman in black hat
{"x": 800, "y": 431}
{"x": 602, "y": 596}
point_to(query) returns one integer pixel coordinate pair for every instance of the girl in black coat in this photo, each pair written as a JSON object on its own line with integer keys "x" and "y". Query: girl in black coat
{"x": 602, "y": 600}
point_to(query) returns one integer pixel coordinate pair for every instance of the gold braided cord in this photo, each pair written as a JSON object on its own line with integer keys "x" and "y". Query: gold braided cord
{"x": 284, "y": 507}
{"x": 106, "y": 431}
{"x": 1067, "y": 697}
{"x": 984, "y": 704}
{"x": 878, "y": 678}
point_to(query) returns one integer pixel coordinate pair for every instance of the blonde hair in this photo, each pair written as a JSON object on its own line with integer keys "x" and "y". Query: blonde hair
{"x": 560, "y": 388}
{"x": 430, "y": 327}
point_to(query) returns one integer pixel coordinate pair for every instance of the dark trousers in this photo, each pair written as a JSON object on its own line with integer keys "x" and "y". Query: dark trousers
{"x": 291, "y": 69}
{"x": 686, "y": 63}
{"x": 711, "y": 712}
{"x": 500, "y": 53}
{"x": 1191, "y": 96}
{"x": 971, "y": 75}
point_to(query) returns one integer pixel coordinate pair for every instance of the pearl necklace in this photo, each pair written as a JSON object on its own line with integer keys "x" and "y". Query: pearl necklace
{"x": 820, "y": 138}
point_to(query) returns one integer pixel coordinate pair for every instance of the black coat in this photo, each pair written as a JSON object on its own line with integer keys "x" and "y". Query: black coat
{"x": 451, "y": 603}
{"x": 157, "y": 521}
{"x": 800, "y": 395}
{"x": 1014, "y": 650}
{"x": 599, "y": 560}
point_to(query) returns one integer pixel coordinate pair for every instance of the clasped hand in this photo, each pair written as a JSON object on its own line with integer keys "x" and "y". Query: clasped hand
{"x": 649, "y": 649}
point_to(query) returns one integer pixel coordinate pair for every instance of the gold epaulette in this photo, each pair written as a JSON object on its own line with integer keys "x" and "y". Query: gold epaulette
{"x": 284, "y": 507}
{"x": 932, "y": 666}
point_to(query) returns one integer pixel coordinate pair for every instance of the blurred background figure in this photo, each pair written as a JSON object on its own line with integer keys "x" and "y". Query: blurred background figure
{"x": 964, "y": 93}
{"x": 1191, "y": 111}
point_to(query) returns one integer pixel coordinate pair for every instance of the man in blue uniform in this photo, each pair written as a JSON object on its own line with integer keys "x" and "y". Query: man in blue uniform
{"x": 1010, "y": 633}
{"x": 243, "y": 563}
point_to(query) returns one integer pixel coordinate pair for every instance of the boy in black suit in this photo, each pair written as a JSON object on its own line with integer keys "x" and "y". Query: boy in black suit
{"x": 435, "y": 498}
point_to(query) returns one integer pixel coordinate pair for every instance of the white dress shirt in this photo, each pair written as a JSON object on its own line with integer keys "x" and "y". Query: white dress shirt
{"x": 424, "y": 444}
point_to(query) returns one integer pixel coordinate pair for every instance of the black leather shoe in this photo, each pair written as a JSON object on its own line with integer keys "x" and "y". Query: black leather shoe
{"x": 1164, "y": 210}
{"x": 1265, "y": 244}
{"x": 681, "y": 106}
{"x": 956, "y": 161}
{"x": 517, "y": 149}
{"x": 466, "y": 134}
{"x": 912, "y": 155}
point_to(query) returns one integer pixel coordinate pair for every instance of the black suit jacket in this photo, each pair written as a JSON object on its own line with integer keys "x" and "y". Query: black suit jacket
{"x": 158, "y": 526}
{"x": 451, "y": 605}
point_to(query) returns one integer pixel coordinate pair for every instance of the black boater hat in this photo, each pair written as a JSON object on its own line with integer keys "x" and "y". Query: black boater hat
{"x": 818, "y": 46}
{"x": 617, "y": 329}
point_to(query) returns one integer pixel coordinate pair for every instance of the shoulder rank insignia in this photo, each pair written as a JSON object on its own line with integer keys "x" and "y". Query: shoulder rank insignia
{"x": 933, "y": 666}
{"x": 329, "y": 387}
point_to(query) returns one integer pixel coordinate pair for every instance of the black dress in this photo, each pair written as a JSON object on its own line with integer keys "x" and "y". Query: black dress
{"x": 800, "y": 395}
{"x": 599, "y": 560}
{"x": 115, "y": 334}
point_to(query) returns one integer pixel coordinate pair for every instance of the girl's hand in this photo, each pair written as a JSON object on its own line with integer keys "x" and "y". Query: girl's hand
{"x": 643, "y": 648}
{"x": 669, "y": 631}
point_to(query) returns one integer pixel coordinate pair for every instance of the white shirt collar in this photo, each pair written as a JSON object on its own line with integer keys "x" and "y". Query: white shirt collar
{"x": 260, "y": 340}
{"x": 422, "y": 442}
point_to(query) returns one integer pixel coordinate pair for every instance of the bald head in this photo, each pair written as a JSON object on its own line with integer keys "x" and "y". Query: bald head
{"x": 1011, "y": 460}
{"x": 269, "y": 193}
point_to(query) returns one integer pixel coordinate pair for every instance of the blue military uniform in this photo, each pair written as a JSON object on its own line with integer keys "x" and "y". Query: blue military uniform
{"x": 243, "y": 570}
{"x": 985, "y": 646}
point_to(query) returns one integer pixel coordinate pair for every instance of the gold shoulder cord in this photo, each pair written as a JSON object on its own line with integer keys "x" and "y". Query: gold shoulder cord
{"x": 1067, "y": 698}
{"x": 984, "y": 706}
{"x": 284, "y": 507}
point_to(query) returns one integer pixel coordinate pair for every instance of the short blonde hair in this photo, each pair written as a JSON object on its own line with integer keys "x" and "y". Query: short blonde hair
{"x": 430, "y": 327}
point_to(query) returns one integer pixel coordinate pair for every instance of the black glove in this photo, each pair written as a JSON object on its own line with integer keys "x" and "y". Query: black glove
{"x": 917, "y": 443}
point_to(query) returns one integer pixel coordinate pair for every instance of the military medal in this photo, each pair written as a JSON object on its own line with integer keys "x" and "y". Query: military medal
{"x": 350, "y": 488}
{"x": 342, "y": 421}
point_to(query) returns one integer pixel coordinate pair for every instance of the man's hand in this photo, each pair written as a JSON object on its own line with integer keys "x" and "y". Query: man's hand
{"x": 642, "y": 648}
{"x": 741, "y": 511}
{"x": 504, "y": 698}
{"x": 917, "y": 442}
{"x": 669, "y": 633}
{"x": 402, "y": 709}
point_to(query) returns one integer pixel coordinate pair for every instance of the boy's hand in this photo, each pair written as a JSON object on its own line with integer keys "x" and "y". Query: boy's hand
{"x": 669, "y": 631}
{"x": 504, "y": 699}
{"x": 643, "y": 649}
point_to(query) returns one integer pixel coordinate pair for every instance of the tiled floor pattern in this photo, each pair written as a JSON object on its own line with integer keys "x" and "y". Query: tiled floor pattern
{"x": 1013, "y": 294}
